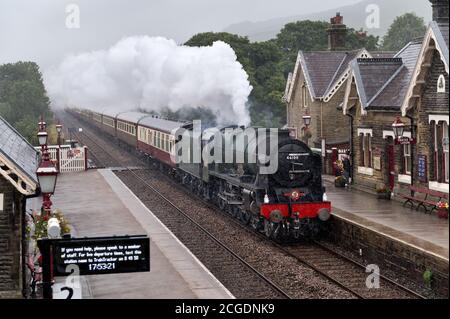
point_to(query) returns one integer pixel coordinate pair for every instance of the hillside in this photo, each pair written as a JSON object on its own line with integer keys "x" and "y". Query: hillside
{"x": 354, "y": 16}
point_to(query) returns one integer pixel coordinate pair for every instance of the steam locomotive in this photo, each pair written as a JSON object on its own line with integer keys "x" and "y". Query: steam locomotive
{"x": 277, "y": 191}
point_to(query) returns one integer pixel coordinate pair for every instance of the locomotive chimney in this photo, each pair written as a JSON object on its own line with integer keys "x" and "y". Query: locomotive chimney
{"x": 440, "y": 10}
{"x": 337, "y": 33}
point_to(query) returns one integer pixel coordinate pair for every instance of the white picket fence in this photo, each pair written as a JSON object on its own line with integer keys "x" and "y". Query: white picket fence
{"x": 70, "y": 159}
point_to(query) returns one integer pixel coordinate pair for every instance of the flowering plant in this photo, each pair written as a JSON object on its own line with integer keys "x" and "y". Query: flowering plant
{"x": 442, "y": 205}
{"x": 340, "y": 181}
{"x": 339, "y": 166}
{"x": 40, "y": 223}
{"x": 382, "y": 189}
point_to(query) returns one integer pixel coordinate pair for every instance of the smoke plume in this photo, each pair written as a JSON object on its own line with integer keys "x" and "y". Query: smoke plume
{"x": 154, "y": 74}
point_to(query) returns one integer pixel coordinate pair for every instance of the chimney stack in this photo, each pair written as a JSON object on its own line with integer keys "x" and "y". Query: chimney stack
{"x": 337, "y": 33}
{"x": 440, "y": 10}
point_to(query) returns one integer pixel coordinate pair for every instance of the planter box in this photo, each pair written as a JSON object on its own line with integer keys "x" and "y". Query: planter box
{"x": 340, "y": 184}
{"x": 442, "y": 213}
{"x": 384, "y": 196}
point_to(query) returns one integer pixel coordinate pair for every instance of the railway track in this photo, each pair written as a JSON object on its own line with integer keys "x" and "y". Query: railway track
{"x": 342, "y": 271}
{"x": 199, "y": 240}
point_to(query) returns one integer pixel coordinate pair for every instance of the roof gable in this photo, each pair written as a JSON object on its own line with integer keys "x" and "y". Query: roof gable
{"x": 437, "y": 33}
{"x": 324, "y": 71}
{"x": 18, "y": 159}
{"x": 382, "y": 82}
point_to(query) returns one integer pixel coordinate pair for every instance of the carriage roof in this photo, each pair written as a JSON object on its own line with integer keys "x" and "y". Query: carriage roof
{"x": 160, "y": 124}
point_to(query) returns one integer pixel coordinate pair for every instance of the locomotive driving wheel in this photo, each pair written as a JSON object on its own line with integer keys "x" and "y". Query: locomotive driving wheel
{"x": 268, "y": 228}
{"x": 244, "y": 216}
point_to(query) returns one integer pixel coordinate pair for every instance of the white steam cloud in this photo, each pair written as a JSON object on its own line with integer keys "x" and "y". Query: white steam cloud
{"x": 152, "y": 74}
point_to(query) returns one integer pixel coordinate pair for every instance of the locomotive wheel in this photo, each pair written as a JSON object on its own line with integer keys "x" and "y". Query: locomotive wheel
{"x": 268, "y": 228}
{"x": 222, "y": 204}
{"x": 255, "y": 222}
{"x": 234, "y": 211}
{"x": 244, "y": 216}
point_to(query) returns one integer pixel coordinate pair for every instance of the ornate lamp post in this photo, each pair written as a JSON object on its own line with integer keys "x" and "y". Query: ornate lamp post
{"x": 47, "y": 175}
{"x": 307, "y": 122}
{"x": 59, "y": 131}
{"x": 46, "y": 172}
{"x": 399, "y": 128}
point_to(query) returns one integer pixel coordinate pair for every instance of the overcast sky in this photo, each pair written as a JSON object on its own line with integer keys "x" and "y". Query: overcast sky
{"x": 36, "y": 29}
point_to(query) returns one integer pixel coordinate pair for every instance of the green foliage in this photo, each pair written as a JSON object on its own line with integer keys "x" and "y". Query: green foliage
{"x": 404, "y": 29}
{"x": 312, "y": 36}
{"x": 428, "y": 277}
{"x": 23, "y": 98}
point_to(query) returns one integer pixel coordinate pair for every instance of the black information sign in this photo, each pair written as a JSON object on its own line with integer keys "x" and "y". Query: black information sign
{"x": 422, "y": 168}
{"x": 105, "y": 255}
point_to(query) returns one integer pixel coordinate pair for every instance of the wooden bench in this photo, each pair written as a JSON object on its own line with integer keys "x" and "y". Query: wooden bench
{"x": 423, "y": 197}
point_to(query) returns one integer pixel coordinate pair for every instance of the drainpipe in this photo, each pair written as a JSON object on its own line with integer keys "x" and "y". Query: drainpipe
{"x": 23, "y": 241}
{"x": 411, "y": 120}
{"x": 352, "y": 154}
{"x": 321, "y": 119}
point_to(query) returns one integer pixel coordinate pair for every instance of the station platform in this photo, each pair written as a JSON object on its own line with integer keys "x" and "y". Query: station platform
{"x": 422, "y": 231}
{"x": 96, "y": 203}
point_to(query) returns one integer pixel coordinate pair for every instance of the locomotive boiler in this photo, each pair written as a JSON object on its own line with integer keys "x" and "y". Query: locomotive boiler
{"x": 264, "y": 178}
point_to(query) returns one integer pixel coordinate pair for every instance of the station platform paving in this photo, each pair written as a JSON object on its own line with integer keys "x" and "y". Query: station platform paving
{"x": 423, "y": 231}
{"x": 96, "y": 203}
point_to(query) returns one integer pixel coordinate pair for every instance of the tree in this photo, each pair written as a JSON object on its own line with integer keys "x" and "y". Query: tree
{"x": 312, "y": 36}
{"x": 404, "y": 29}
{"x": 23, "y": 98}
{"x": 268, "y": 63}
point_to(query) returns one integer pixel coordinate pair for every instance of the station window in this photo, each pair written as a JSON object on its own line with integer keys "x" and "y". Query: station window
{"x": 445, "y": 150}
{"x": 365, "y": 150}
{"x": 441, "y": 151}
{"x": 441, "y": 84}
{"x": 407, "y": 159}
{"x": 304, "y": 95}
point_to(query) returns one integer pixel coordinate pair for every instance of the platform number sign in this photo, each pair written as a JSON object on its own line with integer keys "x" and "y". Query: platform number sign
{"x": 422, "y": 168}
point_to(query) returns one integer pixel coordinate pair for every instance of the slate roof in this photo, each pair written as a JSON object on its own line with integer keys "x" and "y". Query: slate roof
{"x": 440, "y": 31}
{"x": 16, "y": 149}
{"x": 382, "y": 82}
{"x": 323, "y": 68}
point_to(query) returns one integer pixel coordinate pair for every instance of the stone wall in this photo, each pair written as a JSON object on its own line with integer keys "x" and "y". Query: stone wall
{"x": 327, "y": 121}
{"x": 390, "y": 255}
{"x": 378, "y": 122}
{"x": 10, "y": 243}
{"x": 431, "y": 102}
